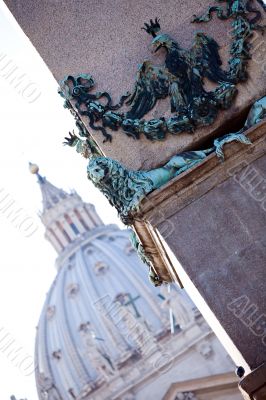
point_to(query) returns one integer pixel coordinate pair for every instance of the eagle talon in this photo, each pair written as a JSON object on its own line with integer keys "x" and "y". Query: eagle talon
{"x": 72, "y": 140}
{"x": 153, "y": 28}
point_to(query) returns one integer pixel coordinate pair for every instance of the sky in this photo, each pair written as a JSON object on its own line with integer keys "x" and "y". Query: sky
{"x": 33, "y": 124}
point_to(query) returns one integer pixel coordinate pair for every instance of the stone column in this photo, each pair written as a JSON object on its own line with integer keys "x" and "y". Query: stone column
{"x": 90, "y": 216}
{"x": 59, "y": 234}
{"x": 253, "y": 386}
{"x": 217, "y": 248}
{"x": 50, "y": 235}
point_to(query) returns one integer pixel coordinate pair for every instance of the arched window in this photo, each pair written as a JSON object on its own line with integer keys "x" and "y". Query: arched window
{"x": 71, "y": 223}
{"x": 81, "y": 220}
{"x": 63, "y": 231}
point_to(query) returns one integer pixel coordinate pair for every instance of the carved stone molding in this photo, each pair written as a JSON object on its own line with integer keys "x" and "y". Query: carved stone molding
{"x": 253, "y": 385}
{"x": 185, "y": 396}
{"x": 205, "y": 349}
{"x": 160, "y": 205}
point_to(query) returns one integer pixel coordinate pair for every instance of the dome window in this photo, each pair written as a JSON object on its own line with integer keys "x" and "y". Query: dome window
{"x": 59, "y": 225}
{"x": 50, "y": 312}
{"x": 89, "y": 250}
{"x": 55, "y": 199}
{"x": 57, "y": 354}
{"x": 81, "y": 220}
{"x": 100, "y": 268}
{"x": 71, "y": 223}
{"x": 84, "y": 327}
{"x": 72, "y": 290}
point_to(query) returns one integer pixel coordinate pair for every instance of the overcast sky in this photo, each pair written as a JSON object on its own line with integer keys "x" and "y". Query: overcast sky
{"x": 32, "y": 129}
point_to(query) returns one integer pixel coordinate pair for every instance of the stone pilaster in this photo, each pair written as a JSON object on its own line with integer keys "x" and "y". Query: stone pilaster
{"x": 253, "y": 386}
{"x": 214, "y": 243}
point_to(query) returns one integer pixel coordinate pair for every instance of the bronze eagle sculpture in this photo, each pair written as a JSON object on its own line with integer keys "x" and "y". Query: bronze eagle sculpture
{"x": 181, "y": 78}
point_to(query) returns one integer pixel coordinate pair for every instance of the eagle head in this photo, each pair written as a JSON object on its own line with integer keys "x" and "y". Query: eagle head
{"x": 162, "y": 40}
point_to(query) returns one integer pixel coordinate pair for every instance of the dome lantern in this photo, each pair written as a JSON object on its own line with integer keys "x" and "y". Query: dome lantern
{"x": 65, "y": 216}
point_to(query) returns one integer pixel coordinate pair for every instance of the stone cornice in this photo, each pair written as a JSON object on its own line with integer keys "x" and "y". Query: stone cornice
{"x": 220, "y": 381}
{"x": 162, "y": 204}
{"x": 83, "y": 240}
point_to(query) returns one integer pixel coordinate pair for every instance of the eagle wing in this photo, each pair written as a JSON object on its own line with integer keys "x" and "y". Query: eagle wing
{"x": 152, "y": 83}
{"x": 204, "y": 56}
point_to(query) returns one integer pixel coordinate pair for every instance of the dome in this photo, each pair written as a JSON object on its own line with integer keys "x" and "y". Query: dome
{"x": 105, "y": 332}
{"x": 100, "y": 314}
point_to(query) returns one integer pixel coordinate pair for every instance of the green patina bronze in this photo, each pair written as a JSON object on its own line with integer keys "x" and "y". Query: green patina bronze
{"x": 240, "y": 12}
{"x": 125, "y": 189}
{"x": 84, "y": 143}
{"x": 256, "y": 114}
{"x": 181, "y": 79}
